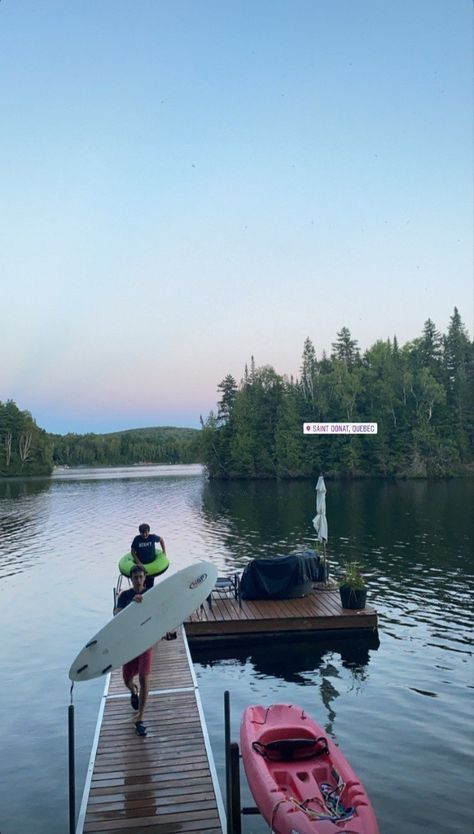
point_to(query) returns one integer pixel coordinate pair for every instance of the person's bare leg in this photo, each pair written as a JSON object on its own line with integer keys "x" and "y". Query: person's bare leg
{"x": 131, "y": 685}
{"x": 144, "y": 690}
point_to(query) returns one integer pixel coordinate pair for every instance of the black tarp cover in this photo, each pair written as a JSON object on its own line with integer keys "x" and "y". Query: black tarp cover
{"x": 311, "y": 563}
{"x": 281, "y": 577}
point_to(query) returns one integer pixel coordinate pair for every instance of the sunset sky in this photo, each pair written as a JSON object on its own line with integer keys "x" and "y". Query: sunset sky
{"x": 187, "y": 183}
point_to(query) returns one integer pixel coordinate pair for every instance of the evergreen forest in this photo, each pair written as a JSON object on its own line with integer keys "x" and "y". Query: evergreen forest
{"x": 421, "y": 395}
{"x": 124, "y": 448}
{"x": 26, "y": 449}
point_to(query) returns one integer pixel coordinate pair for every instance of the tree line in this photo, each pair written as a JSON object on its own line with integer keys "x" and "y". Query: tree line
{"x": 421, "y": 395}
{"x": 25, "y": 449}
{"x": 125, "y": 448}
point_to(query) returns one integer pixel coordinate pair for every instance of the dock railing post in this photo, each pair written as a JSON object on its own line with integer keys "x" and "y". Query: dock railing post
{"x": 228, "y": 764}
{"x": 235, "y": 778}
{"x": 72, "y": 776}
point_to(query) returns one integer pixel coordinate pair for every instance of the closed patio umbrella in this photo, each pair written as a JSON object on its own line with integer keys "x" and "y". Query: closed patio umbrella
{"x": 320, "y": 523}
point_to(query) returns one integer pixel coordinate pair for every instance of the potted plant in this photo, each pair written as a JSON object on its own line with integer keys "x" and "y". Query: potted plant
{"x": 352, "y": 587}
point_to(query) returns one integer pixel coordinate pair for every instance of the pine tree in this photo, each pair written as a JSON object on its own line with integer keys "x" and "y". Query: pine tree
{"x": 459, "y": 365}
{"x": 431, "y": 344}
{"x": 456, "y": 349}
{"x": 228, "y": 388}
{"x": 308, "y": 369}
{"x": 345, "y": 348}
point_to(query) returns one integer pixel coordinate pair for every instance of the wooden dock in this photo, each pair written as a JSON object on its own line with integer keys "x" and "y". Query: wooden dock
{"x": 165, "y": 782}
{"x": 319, "y": 612}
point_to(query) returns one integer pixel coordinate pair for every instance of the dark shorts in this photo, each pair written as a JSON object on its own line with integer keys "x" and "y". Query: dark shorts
{"x": 140, "y": 665}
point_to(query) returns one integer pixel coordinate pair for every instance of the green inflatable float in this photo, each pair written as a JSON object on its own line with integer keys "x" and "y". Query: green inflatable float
{"x": 159, "y": 565}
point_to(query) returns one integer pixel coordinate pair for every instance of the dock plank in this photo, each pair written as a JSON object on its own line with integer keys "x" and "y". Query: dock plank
{"x": 166, "y": 781}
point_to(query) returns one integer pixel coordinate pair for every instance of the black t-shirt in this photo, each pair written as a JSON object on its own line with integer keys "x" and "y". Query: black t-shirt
{"x": 145, "y": 548}
{"x": 126, "y": 597}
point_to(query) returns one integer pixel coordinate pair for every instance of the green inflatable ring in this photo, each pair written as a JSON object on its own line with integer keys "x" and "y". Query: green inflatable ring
{"x": 159, "y": 564}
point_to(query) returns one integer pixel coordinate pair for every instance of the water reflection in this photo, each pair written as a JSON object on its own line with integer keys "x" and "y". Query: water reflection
{"x": 259, "y": 520}
{"x": 410, "y": 537}
{"x": 14, "y": 488}
{"x": 23, "y": 511}
{"x": 396, "y": 530}
{"x": 301, "y": 662}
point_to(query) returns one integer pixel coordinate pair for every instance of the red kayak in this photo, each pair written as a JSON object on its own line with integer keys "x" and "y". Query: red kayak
{"x": 300, "y": 780}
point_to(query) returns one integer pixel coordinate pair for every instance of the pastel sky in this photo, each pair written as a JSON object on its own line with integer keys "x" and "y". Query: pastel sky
{"x": 187, "y": 183}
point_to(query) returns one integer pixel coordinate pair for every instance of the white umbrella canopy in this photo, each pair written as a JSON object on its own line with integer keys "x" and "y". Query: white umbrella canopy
{"x": 320, "y": 523}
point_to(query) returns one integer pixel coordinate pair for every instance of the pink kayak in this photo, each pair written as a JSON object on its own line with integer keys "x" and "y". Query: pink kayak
{"x": 300, "y": 780}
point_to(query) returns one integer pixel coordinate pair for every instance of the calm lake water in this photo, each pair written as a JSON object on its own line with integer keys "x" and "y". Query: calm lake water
{"x": 401, "y": 711}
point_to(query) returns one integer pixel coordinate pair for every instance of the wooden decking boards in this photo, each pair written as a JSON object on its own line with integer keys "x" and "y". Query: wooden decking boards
{"x": 165, "y": 782}
{"x": 319, "y": 611}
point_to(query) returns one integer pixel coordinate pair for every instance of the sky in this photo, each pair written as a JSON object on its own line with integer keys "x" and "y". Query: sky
{"x": 185, "y": 184}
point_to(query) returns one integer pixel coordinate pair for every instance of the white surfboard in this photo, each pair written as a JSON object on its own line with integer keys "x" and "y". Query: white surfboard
{"x": 141, "y": 624}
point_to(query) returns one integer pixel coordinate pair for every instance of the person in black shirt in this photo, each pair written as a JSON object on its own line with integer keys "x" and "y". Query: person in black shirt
{"x": 140, "y": 665}
{"x": 143, "y": 549}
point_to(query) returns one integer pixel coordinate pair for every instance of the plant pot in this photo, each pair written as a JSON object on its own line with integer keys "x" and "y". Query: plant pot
{"x": 351, "y": 598}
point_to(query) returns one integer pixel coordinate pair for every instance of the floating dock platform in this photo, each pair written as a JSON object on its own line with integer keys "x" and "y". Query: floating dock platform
{"x": 229, "y": 620}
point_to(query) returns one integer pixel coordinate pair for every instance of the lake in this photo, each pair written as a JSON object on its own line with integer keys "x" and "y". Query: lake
{"x": 402, "y": 711}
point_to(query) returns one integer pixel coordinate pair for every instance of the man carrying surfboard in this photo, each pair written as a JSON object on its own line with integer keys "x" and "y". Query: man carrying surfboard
{"x": 140, "y": 665}
{"x": 143, "y": 550}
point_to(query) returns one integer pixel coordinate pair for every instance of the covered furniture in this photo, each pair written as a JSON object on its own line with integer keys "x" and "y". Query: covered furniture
{"x": 317, "y": 567}
{"x": 312, "y": 563}
{"x": 282, "y": 577}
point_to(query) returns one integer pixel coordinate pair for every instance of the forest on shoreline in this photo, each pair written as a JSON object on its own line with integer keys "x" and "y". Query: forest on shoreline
{"x": 25, "y": 449}
{"x": 421, "y": 395}
{"x": 164, "y": 444}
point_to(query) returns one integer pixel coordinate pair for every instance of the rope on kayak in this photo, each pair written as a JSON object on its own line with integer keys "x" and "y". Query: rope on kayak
{"x": 324, "y": 815}
{"x": 332, "y": 799}
{"x": 332, "y": 809}
{"x": 276, "y": 807}
{"x": 331, "y": 803}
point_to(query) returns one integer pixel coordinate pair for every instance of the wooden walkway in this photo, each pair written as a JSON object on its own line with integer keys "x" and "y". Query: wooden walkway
{"x": 320, "y": 611}
{"x": 165, "y": 782}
